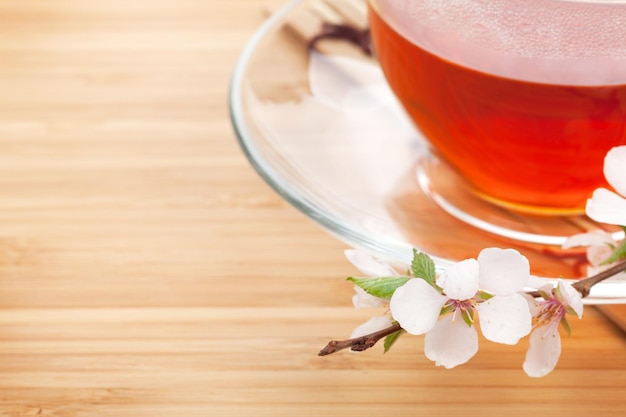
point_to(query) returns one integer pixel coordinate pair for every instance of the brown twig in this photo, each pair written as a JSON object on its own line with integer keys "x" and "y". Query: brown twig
{"x": 358, "y": 344}
{"x": 584, "y": 285}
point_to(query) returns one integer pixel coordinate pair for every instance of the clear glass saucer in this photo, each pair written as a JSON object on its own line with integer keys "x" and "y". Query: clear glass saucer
{"x": 324, "y": 130}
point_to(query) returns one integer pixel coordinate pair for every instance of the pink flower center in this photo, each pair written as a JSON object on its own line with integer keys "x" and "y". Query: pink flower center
{"x": 552, "y": 310}
{"x": 463, "y": 307}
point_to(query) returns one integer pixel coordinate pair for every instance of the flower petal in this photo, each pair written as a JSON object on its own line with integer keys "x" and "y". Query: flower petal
{"x": 368, "y": 264}
{"x": 503, "y": 271}
{"x": 460, "y": 281}
{"x": 537, "y": 282}
{"x": 605, "y": 206}
{"x": 363, "y": 299}
{"x": 372, "y": 325}
{"x": 571, "y": 297}
{"x": 534, "y": 306}
{"x": 593, "y": 238}
{"x": 615, "y": 169}
{"x": 544, "y": 350}
{"x": 505, "y": 318}
{"x": 416, "y": 306}
{"x": 451, "y": 343}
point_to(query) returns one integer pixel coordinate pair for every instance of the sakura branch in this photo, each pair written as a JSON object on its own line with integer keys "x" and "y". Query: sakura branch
{"x": 489, "y": 289}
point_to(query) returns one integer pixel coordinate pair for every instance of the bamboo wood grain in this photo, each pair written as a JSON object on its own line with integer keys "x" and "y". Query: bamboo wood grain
{"x": 146, "y": 270}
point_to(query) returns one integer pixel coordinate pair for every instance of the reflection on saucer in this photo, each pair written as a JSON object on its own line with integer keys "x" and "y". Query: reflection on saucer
{"x": 328, "y": 135}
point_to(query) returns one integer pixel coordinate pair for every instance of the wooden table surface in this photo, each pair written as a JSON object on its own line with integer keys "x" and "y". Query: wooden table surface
{"x": 147, "y": 270}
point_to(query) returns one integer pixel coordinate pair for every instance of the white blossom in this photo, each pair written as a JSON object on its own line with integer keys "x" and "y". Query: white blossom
{"x": 600, "y": 245}
{"x": 371, "y": 267}
{"x": 606, "y": 206}
{"x": 545, "y": 340}
{"x": 489, "y": 286}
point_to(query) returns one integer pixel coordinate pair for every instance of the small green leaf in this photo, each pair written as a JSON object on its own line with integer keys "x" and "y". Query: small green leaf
{"x": 618, "y": 253}
{"x": 423, "y": 267}
{"x": 571, "y": 311}
{"x": 381, "y": 287}
{"x": 447, "y": 309}
{"x": 468, "y": 317}
{"x": 566, "y": 326}
{"x": 484, "y": 295}
{"x": 391, "y": 339}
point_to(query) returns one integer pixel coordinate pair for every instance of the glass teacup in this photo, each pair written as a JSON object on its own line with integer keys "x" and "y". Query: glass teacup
{"x": 523, "y": 98}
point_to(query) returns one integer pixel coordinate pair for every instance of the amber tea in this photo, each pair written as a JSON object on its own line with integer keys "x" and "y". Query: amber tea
{"x": 524, "y": 99}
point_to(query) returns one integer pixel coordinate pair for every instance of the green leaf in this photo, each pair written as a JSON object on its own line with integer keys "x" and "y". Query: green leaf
{"x": 618, "y": 253}
{"x": 468, "y": 317}
{"x": 391, "y": 339}
{"x": 423, "y": 267}
{"x": 381, "y": 287}
{"x": 566, "y": 326}
{"x": 447, "y": 309}
{"x": 484, "y": 295}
